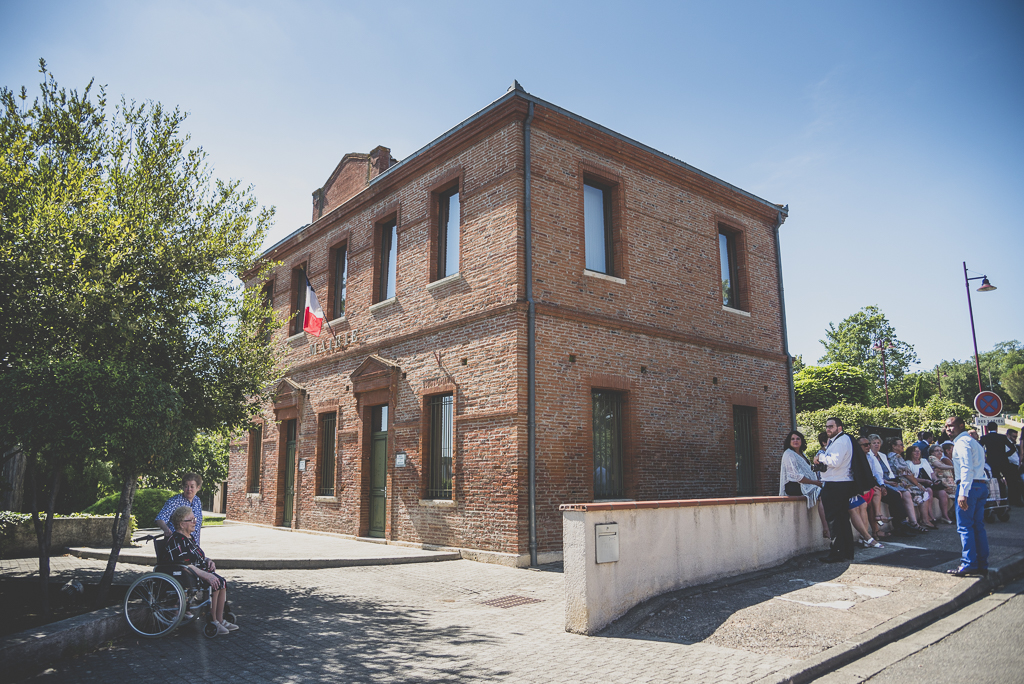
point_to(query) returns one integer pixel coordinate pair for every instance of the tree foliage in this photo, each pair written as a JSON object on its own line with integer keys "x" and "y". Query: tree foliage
{"x": 119, "y": 249}
{"x": 208, "y": 457}
{"x": 819, "y": 387}
{"x": 1013, "y": 383}
{"x": 853, "y": 340}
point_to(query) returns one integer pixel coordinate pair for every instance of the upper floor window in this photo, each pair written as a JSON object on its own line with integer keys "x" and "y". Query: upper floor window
{"x": 299, "y": 299}
{"x": 597, "y": 224}
{"x": 268, "y": 302}
{"x": 387, "y": 260}
{"x": 448, "y": 227}
{"x": 338, "y": 279}
{"x": 730, "y": 280}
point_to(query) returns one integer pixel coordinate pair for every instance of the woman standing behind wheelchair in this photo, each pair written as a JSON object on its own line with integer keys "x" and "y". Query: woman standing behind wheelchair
{"x": 185, "y": 551}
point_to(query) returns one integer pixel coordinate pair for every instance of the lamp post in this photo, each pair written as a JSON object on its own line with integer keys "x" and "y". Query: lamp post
{"x": 985, "y": 287}
{"x": 881, "y": 346}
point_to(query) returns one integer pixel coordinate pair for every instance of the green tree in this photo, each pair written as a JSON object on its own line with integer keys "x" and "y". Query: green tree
{"x": 57, "y": 421}
{"x": 853, "y": 341}
{"x": 1013, "y": 383}
{"x": 208, "y": 457}
{"x": 819, "y": 387}
{"x": 119, "y": 248}
{"x": 913, "y": 389}
{"x": 798, "y": 363}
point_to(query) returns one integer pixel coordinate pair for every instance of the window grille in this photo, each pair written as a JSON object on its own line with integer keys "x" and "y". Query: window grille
{"x": 325, "y": 474}
{"x": 442, "y": 414}
{"x": 255, "y": 458}
{"x": 607, "y": 426}
{"x": 743, "y": 426}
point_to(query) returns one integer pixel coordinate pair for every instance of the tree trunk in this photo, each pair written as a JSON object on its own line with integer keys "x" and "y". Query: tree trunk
{"x": 44, "y": 533}
{"x": 122, "y": 519}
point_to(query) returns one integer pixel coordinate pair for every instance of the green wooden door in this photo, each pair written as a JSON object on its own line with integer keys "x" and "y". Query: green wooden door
{"x": 289, "y": 474}
{"x": 378, "y": 471}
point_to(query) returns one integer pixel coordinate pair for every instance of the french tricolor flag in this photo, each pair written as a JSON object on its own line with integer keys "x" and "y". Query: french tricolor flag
{"x": 314, "y": 316}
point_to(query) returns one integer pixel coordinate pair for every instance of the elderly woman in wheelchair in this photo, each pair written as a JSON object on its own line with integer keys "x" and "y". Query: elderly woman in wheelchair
{"x": 183, "y": 586}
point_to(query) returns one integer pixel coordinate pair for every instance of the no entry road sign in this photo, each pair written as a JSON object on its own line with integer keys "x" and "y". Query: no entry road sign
{"x": 988, "y": 404}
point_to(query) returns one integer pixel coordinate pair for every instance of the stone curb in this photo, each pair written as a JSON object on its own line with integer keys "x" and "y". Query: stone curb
{"x": 896, "y": 628}
{"x": 277, "y": 563}
{"x": 30, "y": 651}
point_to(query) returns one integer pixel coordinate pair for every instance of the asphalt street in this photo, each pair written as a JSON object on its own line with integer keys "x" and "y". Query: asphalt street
{"x": 979, "y": 644}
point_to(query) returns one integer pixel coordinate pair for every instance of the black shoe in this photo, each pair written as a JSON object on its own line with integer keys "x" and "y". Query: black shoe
{"x": 964, "y": 571}
{"x": 832, "y": 559}
{"x": 909, "y": 528}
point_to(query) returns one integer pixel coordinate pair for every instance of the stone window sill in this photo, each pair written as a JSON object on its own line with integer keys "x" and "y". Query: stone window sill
{"x": 253, "y": 495}
{"x": 380, "y": 306}
{"x": 337, "y": 321}
{"x": 325, "y": 499}
{"x": 438, "y": 503}
{"x": 447, "y": 280}
{"x": 296, "y": 339}
{"x": 604, "y": 276}
{"x": 738, "y": 312}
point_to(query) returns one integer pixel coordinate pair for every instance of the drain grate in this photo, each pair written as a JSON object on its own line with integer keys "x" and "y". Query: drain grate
{"x": 510, "y": 601}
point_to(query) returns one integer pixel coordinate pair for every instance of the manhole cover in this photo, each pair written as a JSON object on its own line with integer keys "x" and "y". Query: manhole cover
{"x": 510, "y": 601}
{"x": 920, "y": 559}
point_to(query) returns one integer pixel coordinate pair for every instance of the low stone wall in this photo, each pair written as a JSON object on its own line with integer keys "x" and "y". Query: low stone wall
{"x": 20, "y": 540}
{"x": 668, "y": 545}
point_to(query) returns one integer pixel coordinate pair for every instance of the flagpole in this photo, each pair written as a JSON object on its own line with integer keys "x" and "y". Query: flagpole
{"x": 326, "y": 317}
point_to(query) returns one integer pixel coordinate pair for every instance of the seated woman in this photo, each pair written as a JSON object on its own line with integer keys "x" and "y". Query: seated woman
{"x": 185, "y": 551}
{"x": 929, "y": 476}
{"x": 920, "y": 491}
{"x": 942, "y": 464}
{"x": 896, "y": 496}
{"x": 859, "y": 507}
{"x": 797, "y": 478}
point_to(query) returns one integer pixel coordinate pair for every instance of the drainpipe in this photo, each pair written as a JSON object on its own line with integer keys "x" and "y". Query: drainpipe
{"x": 782, "y": 312}
{"x": 531, "y": 348}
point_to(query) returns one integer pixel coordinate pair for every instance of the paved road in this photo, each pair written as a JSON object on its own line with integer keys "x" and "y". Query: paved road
{"x": 407, "y": 623}
{"x": 435, "y": 622}
{"x": 979, "y": 644}
{"x": 986, "y": 651}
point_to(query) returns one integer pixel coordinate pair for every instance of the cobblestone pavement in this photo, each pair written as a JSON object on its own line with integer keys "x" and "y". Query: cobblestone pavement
{"x": 424, "y": 622}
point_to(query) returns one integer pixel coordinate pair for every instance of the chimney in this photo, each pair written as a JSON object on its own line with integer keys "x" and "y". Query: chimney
{"x": 380, "y": 161}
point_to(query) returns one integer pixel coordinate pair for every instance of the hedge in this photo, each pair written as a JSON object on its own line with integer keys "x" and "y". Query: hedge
{"x": 911, "y": 419}
{"x": 145, "y": 507}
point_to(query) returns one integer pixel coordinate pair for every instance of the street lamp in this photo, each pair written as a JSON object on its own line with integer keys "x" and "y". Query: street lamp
{"x": 985, "y": 287}
{"x": 881, "y": 346}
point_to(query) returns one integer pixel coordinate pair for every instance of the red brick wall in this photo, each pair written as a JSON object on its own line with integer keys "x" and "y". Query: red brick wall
{"x": 662, "y": 337}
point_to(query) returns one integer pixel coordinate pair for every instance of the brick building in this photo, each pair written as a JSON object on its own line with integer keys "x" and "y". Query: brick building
{"x": 527, "y": 263}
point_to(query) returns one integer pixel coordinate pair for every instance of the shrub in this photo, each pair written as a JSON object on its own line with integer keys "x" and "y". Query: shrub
{"x": 147, "y": 504}
{"x": 910, "y": 419}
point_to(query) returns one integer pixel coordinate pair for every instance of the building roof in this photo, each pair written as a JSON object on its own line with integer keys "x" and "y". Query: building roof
{"x": 517, "y": 91}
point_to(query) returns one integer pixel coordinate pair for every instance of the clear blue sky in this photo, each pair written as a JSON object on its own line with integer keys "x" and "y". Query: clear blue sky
{"x": 893, "y": 130}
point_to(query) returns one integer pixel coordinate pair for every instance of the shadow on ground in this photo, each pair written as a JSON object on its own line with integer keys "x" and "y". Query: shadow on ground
{"x": 290, "y": 634}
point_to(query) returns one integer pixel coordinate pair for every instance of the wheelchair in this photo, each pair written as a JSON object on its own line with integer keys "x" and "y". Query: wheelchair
{"x": 159, "y": 602}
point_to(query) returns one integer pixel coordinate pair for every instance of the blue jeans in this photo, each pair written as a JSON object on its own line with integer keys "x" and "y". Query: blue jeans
{"x": 971, "y": 526}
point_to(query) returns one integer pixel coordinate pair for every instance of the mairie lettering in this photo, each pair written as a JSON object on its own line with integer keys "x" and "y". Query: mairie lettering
{"x": 334, "y": 344}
